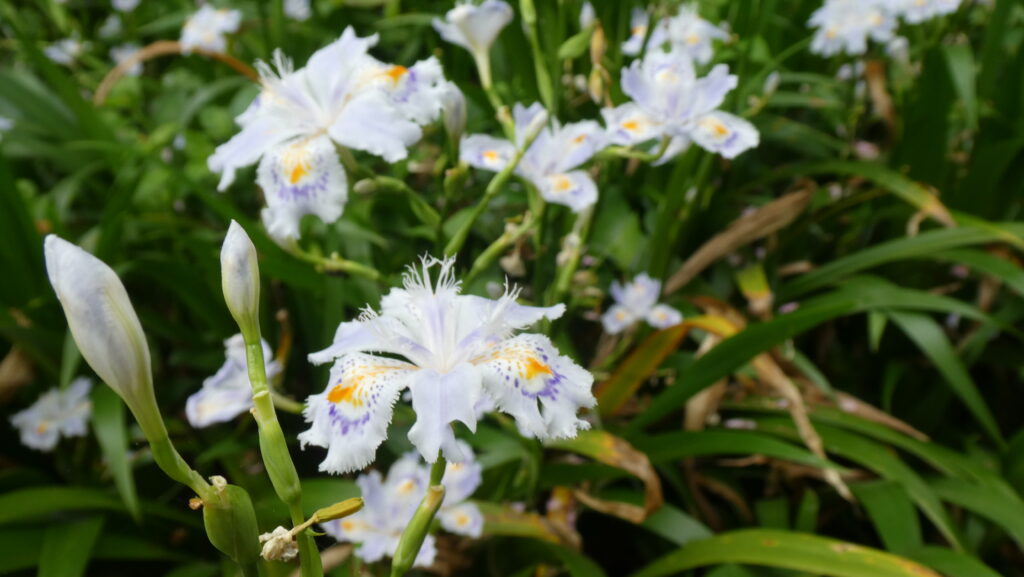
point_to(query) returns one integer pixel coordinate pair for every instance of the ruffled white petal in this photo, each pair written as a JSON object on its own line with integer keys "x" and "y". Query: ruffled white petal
{"x": 368, "y": 123}
{"x": 299, "y": 178}
{"x": 575, "y": 189}
{"x": 350, "y": 418}
{"x": 463, "y": 519}
{"x": 725, "y": 134}
{"x": 474, "y": 27}
{"x": 663, "y": 316}
{"x": 439, "y": 400}
{"x": 627, "y": 124}
{"x": 486, "y": 152}
{"x": 617, "y": 319}
{"x": 525, "y": 374}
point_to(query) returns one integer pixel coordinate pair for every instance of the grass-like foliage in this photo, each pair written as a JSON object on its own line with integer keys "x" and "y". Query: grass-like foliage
{"x": 723, "y": 288}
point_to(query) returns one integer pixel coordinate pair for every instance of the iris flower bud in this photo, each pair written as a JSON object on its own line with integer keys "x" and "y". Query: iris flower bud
{"x": 240, "y": 279}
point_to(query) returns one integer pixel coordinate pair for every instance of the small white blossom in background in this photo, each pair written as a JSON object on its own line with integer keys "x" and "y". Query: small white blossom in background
{"x": 474, "y": 27}
{"x": 844, "y": 26}
{"x": 689, "y": 33}
{"x": 228, "y": 393}
{"x": 342, "y": 96}
{"x": 111, "y": 27}
{"x": 208, "y": 28}
{"x": 123, "y": 52}
{"x": 389, "y": 505}
{"x": 278, "y": 545}
{"x": 670, "y": 100}
{"x": 551, "y": 161}
{"x": 54, "y": 415}
{"x": 918, "y": 11}
{"x": 299, "y": 10}
{"x": 125, "y": 5}
{"x": 639, "y": 21}
{"x": 6, "y": 124}
{"x": 636, "y": 301}
{"x": 587, "y": 15}
{"x": 65, "y": 51}
{"x": 457, "y": 350}
{"x": 899, "y": 49}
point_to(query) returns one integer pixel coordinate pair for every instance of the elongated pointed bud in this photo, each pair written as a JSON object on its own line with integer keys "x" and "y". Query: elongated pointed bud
{"x": 240, "y": 280}
{"x": 339, "y": 510}
{"x": 104, "y": 325}
{"x": 454, "y": 111}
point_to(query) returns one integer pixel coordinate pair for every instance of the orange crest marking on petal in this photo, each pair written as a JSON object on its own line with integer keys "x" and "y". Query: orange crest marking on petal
{"x": 631, "y": 125}
{"x": 490, "y": 155}
{"x": 345, "y": 394}
{"x": 562, "y": 184}
{"x": 395, "y": 73}
{"x": 534, "y": 367}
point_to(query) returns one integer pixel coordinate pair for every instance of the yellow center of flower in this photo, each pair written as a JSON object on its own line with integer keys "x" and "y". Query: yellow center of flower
{"x": 692, "y": 39}
{"x": 42, "y": 427}
{"x": 715, "y": 127}
{"x": 562, "y": 184}
{"x": 295, "y": 162}
{"x": 406, "y": 487}
{"x": 348, "y": 525}
{"x": 490, "y": 155}
{"x": 631, "y": 125}
{"x": 579, "y": 139}
{"x": 638, "y": 30}
{"x": 462, "y": 520}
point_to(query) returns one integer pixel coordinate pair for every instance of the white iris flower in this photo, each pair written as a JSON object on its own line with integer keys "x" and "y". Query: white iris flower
{"x": 299, "y": 10}
{"x": 693, "y": 35}
{"x": 207, "y": 29}
{"x": 845, "y": 25}
{"x": 342, "y": 96}
{"x": 551, "y": 161}
{"x": 65, "y": 51}
{"x": 670, "y": 100}
{"x": 636, "y": 301}
{"x": 227, "y": 393}
{"x": 456, "y": 349}
{"x": 125, "y": 5}
{"x": 389, "y": 504}
{"x": 54, "y": 415}
{"x": 123, "y": 52}
{"x": 475, "y": 28}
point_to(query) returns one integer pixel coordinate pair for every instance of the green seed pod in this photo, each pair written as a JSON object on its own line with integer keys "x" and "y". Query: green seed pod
{"x": 231, "y": 523}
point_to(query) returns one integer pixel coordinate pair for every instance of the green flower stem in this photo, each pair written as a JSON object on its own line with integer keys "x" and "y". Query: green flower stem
{"x": 483, "y": 68}
{"x": 274, "y": 449}
{"x": 493, "y": 187}
{"x": 544, "y": 84}
{"x": 286, "y": 404}
{"x": 565, "y": 272}
{"x": 499, "y": 246}
{"x": 332, "y": 264}
{"x": 673, "y": 209}
{"x": 173, "y": 465}
{"x": 416, "y": 531}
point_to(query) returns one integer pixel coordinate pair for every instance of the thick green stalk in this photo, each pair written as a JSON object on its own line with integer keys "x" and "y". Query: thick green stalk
{"x": 274, "y": 448}
{"x": 174, "y": 466}
{"x": 493, "y": 187}
{"x": 416, "y": 531}
{"x": 499, "y": 246}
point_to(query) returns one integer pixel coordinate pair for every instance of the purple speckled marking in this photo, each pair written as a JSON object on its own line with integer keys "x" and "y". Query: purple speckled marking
{"x": 342, "y": 423}
{"x": 292, "y": 192}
